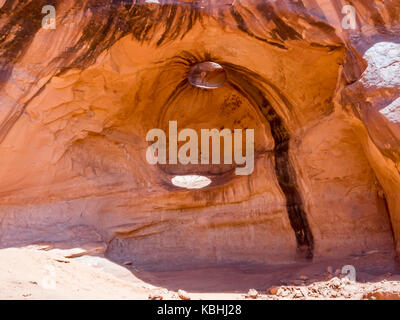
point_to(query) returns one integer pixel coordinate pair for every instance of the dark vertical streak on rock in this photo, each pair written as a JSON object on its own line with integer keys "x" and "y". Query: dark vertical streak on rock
{"x": 377, "y": 18}
{"x": 142, "y": 21}
{"x": 241, "y": 25}
{"x": 315, "y": 9}
{"x": 249, "y": 85}
{"x": 171, "y": 13}
{"x": 15, "y": 36}
{"x": 177, "y": 91}
{"x": 244, "y": 82}
{"x": 282, "y": 31}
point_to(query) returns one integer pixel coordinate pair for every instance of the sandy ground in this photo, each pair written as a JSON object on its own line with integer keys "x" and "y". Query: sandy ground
{"x": 37, "y": 272}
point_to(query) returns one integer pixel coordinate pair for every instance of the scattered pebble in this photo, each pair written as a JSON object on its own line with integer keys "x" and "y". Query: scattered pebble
{"x": 382, "y": 295}
{"x": 283, "y": 292}
{"x": 62, "y": 260}
{"x": 253, "y": 294}
{"x": 335, "y": 282}
{"x": 273, "y": 290}
{"x": 182, "y": 294}
{"x": 155, "y": 296}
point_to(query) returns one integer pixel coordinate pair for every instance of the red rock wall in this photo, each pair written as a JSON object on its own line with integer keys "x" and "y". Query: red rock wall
{"x": 77, "y": 101}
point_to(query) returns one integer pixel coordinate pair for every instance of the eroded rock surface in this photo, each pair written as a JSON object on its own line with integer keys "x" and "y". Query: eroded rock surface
{"x": 77, "y": 102}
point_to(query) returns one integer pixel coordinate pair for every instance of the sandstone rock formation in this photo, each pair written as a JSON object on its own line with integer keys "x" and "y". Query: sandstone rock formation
{"x": 76, "y": 103}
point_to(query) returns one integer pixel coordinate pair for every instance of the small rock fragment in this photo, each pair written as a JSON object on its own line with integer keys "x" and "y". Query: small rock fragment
{"x": 182, "y": 294}
{"x": 303, "y": 278}
{"x": 336, "y": 282}
{"x": 252, "y": 294}
{"x": 274, "y": 290}
{"x": 303, "y": 291}
{"x": 381, "y": 295}
{"x": 283, "y": 292}
{"x": 329, "y": 269}
{"x": 155, "y": 296}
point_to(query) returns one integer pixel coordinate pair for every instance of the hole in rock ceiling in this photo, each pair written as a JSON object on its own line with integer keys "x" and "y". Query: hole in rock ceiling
{"x": 207, "y": 75}
{"x": 190, "y": 181}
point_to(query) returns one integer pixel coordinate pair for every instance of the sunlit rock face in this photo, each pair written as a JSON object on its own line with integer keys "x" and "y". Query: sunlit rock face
{"x": 77, "y": 102}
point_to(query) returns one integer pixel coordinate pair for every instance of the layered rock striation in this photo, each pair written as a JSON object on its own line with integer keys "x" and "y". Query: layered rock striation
{"x": 323, "y": 100}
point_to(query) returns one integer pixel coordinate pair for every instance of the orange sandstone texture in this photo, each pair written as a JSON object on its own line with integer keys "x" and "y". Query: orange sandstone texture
{"x": 77, "y": 102}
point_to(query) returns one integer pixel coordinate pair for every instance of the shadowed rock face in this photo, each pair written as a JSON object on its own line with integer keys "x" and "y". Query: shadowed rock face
{"x": 77, "y": 102}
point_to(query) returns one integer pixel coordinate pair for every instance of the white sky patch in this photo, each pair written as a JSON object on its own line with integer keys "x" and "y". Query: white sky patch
{"x": 190, "y": 181}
